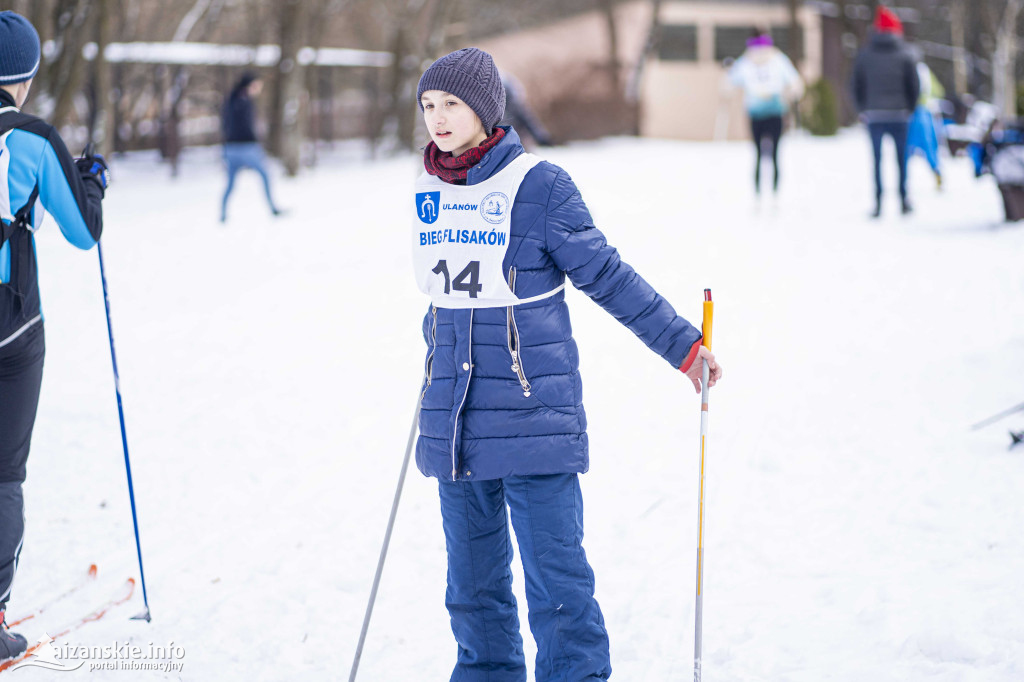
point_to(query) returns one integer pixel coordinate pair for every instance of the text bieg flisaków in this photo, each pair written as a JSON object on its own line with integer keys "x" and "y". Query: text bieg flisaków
{"x": 490, "y": 238}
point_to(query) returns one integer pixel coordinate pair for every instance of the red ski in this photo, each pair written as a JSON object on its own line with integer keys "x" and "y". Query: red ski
{"x": 120, "y": 597}
{"x": 89, "y": 578}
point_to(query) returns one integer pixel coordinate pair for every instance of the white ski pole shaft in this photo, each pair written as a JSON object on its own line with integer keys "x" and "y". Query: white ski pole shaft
{"x": 387, "y": 541}
{"x": 698, "y": 632}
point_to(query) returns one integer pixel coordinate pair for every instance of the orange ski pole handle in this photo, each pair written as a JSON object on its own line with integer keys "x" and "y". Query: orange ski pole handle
{"x": 709, "y": 316}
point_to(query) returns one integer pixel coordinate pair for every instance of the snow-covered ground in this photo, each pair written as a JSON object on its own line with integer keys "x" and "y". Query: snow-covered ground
{"x": 856, "y": 529}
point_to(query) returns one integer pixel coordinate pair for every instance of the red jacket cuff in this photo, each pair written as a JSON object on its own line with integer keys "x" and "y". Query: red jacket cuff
{"x": 691, "y": 356}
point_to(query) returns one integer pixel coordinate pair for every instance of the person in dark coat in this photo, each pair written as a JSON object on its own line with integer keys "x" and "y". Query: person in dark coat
{"x": 37, "y": 177}
{"x": 496, "y": 233}
{"x": 241, "y": 145}
{"x": 886, "y": 89}
{"x": 518, "y": 113}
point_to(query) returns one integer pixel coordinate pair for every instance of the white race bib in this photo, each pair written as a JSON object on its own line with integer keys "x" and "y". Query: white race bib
{"x": 460, "y": 234}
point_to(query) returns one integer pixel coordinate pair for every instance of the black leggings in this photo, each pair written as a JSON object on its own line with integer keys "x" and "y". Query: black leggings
{"x": 770, "y": 128}
{"x": 21, "y": 374}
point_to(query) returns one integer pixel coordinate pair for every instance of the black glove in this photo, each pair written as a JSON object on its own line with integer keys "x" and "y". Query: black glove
{"x": 94, "y": 167}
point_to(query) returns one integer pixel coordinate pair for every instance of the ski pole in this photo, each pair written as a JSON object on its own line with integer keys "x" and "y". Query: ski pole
{"x": 709, "y": 310}
{"x": 124, "y": 439}
{"x": 384, "y": 546}
{"x": 996, "y": 417}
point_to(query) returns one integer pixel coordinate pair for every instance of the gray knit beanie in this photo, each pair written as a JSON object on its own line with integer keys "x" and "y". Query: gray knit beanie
{"x": 470, "y": 75}
{"x": 19, "y": 49}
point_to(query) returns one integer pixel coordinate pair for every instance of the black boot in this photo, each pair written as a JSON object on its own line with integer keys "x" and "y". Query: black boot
{"x": 907, "y": 207}
{"x": 12, "y": 644}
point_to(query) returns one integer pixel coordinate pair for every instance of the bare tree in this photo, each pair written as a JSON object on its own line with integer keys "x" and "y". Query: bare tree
{"x": 1000, "y": 18}
{"x": 633, "y": 85}
{"x": 607, "y": 8}
{"x": 794, "y": 47}
{"x": 21, "y": 7}
{"x": 285, "y": 126}
{"x": 101, "y": 124}
{"x": 958, "y": 34}
{"x": 135, "y": 88}
{"x": 416, "y": 32}
{"x": 318, "y": 82}
{"x": 63, "y": 74}
{"x": 196, "y": 24}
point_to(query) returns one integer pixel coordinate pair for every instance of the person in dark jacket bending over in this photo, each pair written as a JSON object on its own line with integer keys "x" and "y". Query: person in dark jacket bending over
{"x": 241, "y": 146}
{"x": 496, "y": 231}
{"x": 885, "y": 89}
{"x": 37, "y": 176}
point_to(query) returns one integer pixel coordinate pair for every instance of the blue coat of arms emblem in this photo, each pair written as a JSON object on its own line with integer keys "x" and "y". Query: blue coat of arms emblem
{"x": 428, "y": 204}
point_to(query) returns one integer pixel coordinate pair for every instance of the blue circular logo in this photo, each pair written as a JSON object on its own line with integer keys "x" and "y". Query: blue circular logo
{"x": 494, "y": 207}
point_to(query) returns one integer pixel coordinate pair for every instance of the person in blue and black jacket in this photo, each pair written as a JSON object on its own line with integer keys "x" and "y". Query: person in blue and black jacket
{"x": 37, "y": 176}
{"x": 242, "y": 148}
{"x": 496, "y": 232}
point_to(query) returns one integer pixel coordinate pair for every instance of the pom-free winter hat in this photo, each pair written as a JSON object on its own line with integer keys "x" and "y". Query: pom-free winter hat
{"x": 886, "y": 21}
{"x": 19, "y": 49}
{"x": 470, "y": 75}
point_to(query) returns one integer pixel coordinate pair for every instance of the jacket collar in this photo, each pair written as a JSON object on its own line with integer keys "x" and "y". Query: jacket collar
{"x": 6, "y": 99}
{"x": 500, "y": 156}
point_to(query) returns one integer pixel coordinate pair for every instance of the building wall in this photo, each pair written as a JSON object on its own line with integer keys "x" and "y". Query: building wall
{"x": 687, "y": 99}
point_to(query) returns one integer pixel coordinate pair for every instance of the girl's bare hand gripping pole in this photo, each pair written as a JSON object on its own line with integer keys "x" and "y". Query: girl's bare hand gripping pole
{"x": 709, "y": 309}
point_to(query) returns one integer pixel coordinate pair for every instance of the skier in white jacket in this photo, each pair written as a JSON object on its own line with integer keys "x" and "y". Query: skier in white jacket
{"x": 770, "y": 83}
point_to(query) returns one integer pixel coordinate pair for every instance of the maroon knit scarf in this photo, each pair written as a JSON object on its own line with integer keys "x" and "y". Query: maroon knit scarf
{"x": 453, "y": 169}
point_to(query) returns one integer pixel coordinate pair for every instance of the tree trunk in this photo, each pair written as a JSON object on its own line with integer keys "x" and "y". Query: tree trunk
{"x": 318, "y": 80}
{"x": 21, "y": 7}
{"x": 64, "y": 75}
{"x": 632, "y": 91}
{"x": 286, "y": 129}
{"x": 794, "y": 48}
{"x": 1004, "y": 61}
{"x": 847, "y": 110}
{"x": 102, "y": 128}
{"x": 397, "y": 105}
{"x": 116, "y": 143}
{"x": 958, "y": 31}
{"x": 607, "y": 8}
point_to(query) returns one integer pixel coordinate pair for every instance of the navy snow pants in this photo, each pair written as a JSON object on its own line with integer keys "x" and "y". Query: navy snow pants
{"x": 766, "y": 131}
{"x": 21, "y": 374}
{"x": 897, "y": 130}
{"x": 565, "y": 619}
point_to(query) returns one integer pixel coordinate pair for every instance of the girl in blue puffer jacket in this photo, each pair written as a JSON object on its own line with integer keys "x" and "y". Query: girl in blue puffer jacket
{"x": 495, "y": 233}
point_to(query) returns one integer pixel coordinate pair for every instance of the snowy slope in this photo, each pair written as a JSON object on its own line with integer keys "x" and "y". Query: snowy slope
{"x": 855, "y": 528}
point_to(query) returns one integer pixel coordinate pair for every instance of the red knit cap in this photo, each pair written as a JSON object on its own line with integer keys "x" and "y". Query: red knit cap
{"x": 886, "y": 21}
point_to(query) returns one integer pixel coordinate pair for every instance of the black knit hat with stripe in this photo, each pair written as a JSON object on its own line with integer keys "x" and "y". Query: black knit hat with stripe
{"x": 470, "y": 75}
{"x": 19, "y": 49}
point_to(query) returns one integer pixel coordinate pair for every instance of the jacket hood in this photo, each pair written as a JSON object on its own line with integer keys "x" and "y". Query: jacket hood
{"x": 886, "y": 41}
{"x": 761, "y": 54}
